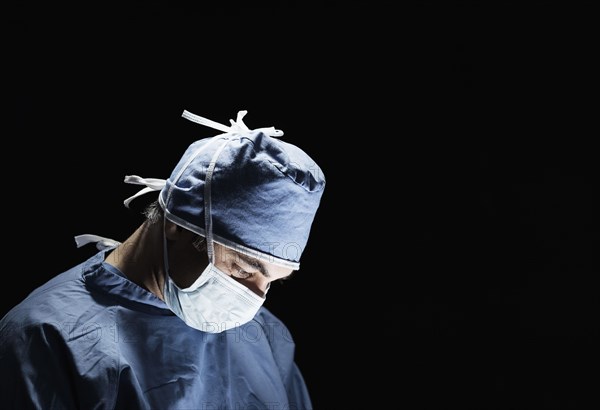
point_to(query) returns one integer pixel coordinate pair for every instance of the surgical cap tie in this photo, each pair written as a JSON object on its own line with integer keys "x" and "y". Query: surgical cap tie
{"x": 152, "y": 184}
{"x": 100, "y": 241}
{"x": 237, "y": 127}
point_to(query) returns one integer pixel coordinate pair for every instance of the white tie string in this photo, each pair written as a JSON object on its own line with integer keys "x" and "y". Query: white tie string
{"x": 152, "y": 184}
{"x": 100, "y": 241}
{"x": 237, "y": 126}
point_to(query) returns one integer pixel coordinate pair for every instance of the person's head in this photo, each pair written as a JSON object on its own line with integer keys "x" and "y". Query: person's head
{"x": 244, "y": 200}
{"x": 188, "y": 257}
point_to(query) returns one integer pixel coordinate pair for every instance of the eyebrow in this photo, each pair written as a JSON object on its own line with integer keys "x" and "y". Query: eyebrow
{"x": 255, "y": 264}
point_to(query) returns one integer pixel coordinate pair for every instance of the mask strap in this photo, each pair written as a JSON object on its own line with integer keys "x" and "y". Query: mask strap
{"x": 165, "y": 251}
{"x": 208, "y": 203}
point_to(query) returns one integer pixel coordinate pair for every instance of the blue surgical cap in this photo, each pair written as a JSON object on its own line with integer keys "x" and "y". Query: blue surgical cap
{"x": 253, "y": 192}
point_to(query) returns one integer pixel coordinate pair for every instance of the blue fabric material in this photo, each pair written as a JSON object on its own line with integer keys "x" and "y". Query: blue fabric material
{"x": 264, "y": 192}
{"x": 90, "y": 338}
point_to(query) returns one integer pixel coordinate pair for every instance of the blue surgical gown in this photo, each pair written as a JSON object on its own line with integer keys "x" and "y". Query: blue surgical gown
{"x": 91, "y": 338}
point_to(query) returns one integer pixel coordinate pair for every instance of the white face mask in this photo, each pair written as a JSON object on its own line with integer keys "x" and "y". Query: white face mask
{"x": 213, "y": 303}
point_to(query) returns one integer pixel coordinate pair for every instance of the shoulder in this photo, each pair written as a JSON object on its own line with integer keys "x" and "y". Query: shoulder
{"x": 265, "y": 315}
{"x": 273, "y": 326}
{"x": 59, "y": 300}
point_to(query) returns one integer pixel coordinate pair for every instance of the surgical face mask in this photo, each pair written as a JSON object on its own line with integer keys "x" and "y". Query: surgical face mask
{"x": 213, "y": 303}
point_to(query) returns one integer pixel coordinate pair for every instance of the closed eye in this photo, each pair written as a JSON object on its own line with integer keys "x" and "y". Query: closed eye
{"x": 240, "y": 273}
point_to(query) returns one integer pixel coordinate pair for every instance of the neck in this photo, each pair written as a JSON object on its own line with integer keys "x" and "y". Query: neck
{"x": 140, "y": 258}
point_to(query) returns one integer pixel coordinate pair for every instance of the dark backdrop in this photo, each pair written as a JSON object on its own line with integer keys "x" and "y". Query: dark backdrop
{"x": 451, "y": 262}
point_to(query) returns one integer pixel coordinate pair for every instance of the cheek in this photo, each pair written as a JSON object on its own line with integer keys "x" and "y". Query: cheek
{"x": 259, "y": 287}
{"x": 282, "y": 274}
{"x": 186, "y": 267}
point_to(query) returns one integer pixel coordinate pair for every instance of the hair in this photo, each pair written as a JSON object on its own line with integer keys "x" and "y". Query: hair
{"x": 153, "y": 212}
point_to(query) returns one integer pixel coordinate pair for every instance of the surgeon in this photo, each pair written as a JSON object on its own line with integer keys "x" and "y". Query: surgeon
{"x": 173, "y": 317}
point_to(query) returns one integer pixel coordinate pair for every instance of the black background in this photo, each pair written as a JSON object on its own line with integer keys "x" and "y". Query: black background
{"x": 450, "y": 264}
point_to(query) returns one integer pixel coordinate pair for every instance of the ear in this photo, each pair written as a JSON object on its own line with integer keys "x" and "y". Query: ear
{"x": 173, "y": 231}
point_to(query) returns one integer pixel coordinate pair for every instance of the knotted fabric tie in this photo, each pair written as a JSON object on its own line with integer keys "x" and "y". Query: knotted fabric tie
{"x": 237, "y": 127}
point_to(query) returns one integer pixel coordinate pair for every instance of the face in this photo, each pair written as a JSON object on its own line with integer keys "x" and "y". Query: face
{"x": 253, "y": 273}
{"x": 188, "y": 259}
